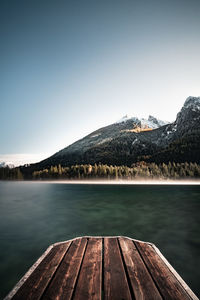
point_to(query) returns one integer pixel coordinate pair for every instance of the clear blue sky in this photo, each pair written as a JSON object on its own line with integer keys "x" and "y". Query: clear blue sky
{"x": 70, "y": 67}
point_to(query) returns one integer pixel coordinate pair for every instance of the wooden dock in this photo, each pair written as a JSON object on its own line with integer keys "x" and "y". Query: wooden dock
{"x": 117, "y": 268}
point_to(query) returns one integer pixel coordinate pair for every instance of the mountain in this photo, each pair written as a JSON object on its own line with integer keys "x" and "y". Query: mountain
{"x": 131, "y": 139}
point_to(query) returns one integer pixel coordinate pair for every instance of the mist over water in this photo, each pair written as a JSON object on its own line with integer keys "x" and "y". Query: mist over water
{"x": 34, "y": 215}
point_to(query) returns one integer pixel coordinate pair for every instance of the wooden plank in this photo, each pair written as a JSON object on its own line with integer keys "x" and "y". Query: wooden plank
{"x": 90, "y": 278}
{"x": 115, "y": 281}
{"x": 167, "y": 283}
{"x": 140, "y": 279}
{"x": 182, "y": 282}
{"x": 62, "y": 285}
{"x": 34, "y": 286}
{"x": 78, "y": 270}
{"x": 28, "y": 274}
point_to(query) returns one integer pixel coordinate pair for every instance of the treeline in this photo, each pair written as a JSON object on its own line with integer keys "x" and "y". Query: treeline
{"x": 137, "y": 170}
{"x": 103, "y": 171}
{"x": 11, "y": 174}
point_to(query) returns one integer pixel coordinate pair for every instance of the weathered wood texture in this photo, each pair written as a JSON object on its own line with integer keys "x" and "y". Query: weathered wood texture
{"x": 102, "y": 268}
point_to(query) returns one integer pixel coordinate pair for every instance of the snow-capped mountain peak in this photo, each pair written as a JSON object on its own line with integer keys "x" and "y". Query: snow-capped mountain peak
{"x": 127, "y": 118}
{"x": 151, "y": 122}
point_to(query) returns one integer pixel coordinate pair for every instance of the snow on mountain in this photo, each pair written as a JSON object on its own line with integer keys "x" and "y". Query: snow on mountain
{"x": 127, "y": 118}
{"x": 151, "y": 122}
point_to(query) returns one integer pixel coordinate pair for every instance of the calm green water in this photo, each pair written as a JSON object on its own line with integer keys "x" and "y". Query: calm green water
{"x": 35, "y": 215}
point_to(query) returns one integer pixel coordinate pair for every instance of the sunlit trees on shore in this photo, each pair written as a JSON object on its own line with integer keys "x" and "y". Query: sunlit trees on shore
{"x": 136, "y": 171}
{"x": 139, "y": 170}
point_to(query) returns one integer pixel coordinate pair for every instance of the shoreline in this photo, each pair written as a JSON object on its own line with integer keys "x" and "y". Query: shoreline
{"x": 113, "y": 182}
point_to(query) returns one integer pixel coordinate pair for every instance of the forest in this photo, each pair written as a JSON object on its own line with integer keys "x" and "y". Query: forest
{"x": 139, "y": 170}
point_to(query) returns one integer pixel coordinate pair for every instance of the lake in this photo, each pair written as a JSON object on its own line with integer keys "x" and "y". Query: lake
{"x": 34, "y": 215}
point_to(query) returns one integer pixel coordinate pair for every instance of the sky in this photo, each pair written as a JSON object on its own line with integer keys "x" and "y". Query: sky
{"x": 68, "y": 68}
